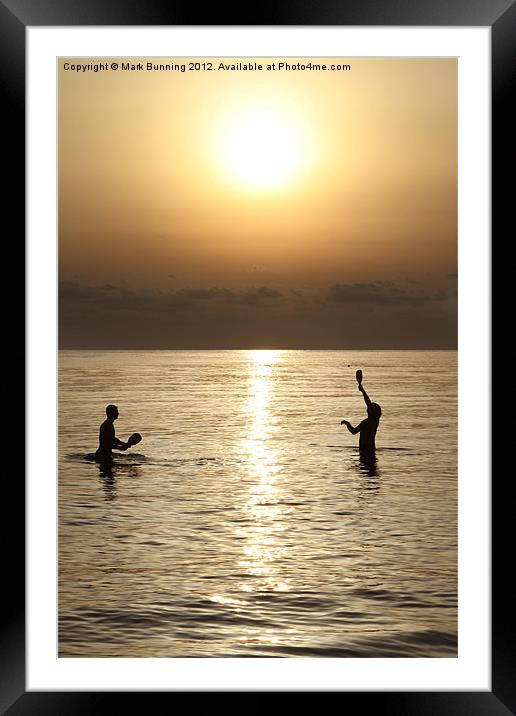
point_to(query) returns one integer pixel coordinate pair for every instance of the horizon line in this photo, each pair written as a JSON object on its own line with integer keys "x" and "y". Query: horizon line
{"x": 256, "y": 349}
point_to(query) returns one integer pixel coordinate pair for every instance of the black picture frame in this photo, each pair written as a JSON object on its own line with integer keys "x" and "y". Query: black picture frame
{"x": 15, "y": 17}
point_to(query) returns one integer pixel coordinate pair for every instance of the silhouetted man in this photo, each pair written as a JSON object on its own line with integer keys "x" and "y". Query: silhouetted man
{"x": 368, "y": 427}
{"x": 107, "y": 439}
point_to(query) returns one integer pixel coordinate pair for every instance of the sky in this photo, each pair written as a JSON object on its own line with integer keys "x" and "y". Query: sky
{"x": 265, "y": 208}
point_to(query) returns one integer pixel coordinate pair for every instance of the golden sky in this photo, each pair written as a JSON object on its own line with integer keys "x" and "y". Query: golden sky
{"x": 264, "y": 207}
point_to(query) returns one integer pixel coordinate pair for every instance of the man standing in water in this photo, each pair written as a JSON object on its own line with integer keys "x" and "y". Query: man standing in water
{"x": 368, "y": 427}
{"x": 107, "y": 439}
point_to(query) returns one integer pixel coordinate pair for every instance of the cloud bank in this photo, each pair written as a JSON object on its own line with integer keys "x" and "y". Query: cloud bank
{"x": 378, "y": 314}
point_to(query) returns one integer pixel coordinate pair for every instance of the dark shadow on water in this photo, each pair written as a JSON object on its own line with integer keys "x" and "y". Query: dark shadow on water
{"x": 368, "y": 485}
{"x": 107, "y": 478}
{"x": 368, "y": 463}
{"x": 109, "y": 471}
{"x": 119, "y": 459}
{"x": 352, "y": 448}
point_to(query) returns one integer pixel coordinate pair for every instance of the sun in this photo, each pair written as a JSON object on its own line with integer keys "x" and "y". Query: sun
{"x": 263, "y": 150}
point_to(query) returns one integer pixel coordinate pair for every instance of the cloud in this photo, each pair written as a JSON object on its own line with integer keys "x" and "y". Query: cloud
{"x": 381, "y": 293}
{"x": 256, "y": 296}
{"x": 73, "y": 291}
{"x": 107, "y": 295}
{"x": 205, "y": 294}
{"x": 109, "y": 287}
{"x": 230, "y": 295}
{"x": 119, "y": 296}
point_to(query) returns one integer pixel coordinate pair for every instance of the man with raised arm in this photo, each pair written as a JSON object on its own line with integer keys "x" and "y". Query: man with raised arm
{"x": 368, "y": 427}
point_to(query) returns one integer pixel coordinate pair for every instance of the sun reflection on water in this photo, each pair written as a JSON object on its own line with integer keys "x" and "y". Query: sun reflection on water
{"x": 262, "y": 550}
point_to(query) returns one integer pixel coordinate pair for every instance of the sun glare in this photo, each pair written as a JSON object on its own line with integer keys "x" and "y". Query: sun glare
{"x": 263, "y": 150}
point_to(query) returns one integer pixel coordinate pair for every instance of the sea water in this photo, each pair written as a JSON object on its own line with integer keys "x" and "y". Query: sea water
{"x": 246, "y": 523}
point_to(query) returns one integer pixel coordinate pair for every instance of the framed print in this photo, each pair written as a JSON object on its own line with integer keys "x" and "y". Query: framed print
{"x": 233, "y": 232}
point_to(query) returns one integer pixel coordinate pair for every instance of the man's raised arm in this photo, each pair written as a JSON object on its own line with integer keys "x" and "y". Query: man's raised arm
{"x": 366, "y": 397}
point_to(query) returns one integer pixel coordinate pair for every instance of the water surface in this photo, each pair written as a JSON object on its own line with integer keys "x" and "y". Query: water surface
{"x": 246, "y": 522}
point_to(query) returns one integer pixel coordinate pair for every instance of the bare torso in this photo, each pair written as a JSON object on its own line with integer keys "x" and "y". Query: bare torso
{"x": 106, "y": 437}
{"x": 368, "y": 428}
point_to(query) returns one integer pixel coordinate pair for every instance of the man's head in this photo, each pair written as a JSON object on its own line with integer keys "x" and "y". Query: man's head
{"x": 374, "y": 411}
{"x": 112, "y": 412}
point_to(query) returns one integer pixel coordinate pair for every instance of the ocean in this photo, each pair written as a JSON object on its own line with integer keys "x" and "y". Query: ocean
{"x": 246, "y": 523}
